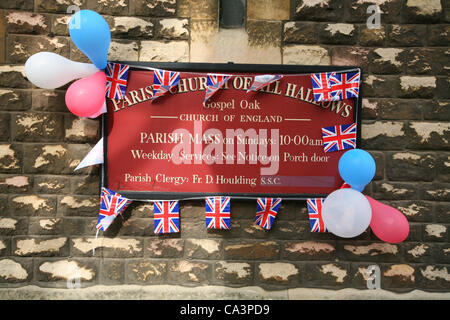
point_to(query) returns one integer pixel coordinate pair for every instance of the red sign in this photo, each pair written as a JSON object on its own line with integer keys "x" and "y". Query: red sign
{"x": 251, "y": 144}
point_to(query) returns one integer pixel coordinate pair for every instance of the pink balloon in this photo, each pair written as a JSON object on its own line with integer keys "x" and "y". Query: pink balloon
{"x": 388, "y": 223}
{"x": 85, "y": 97}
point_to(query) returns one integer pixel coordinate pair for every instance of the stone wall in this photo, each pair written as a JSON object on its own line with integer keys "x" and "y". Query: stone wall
{"x": 48, "y": 213}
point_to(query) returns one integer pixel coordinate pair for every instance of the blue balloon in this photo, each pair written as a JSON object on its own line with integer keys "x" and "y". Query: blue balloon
{"x": 357, "y": 168}
{"x": 90, "y": 33}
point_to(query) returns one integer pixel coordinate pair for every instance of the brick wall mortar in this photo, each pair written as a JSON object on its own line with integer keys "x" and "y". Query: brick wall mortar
{"x": 405, "y": 129}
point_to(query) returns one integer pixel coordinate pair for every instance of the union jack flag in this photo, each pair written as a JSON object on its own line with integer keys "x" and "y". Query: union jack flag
{"x": 266, "y": 211}
{"x": 339, "y": 137}
{"x": 163, "y": 81}
{"x": 116, "y": 80}
{"x": 166, "y": 216}
{"x": 111, "y": 205}
{"x": 344, "y": 85}
{"x": 315, "y": 214}
{"x": 262, "y": 81}
{"x": 213, "y": 83}
{"x": 321, "y": 86}
{"x": 217, "y": 211}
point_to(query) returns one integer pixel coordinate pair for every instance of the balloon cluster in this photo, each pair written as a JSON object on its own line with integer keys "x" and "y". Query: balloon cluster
{"x": 85, "y": 97}
{"x": 347, "y": 212}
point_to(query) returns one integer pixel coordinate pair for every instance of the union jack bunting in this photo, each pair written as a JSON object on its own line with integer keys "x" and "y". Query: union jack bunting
{"x": 213, "y": 83}
{"x": 262, "y": 81}
{"x": 339, "y": 137}
{"x": 111, "y": 205}
{"x": 321, "y": 86}
{"x": 344, "y": 85}
{"x": 116, "y": 80}
{"x": 217, "y": 211}
{"x": 166, "y": 216}
{"x": 315, "y": 214}
{"x": 266, "y": 211}
{"x": 163, "y": 81}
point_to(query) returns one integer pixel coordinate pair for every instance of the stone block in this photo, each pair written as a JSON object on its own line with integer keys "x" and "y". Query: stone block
{"x": 156, "y": 8}
{"x": 417, "y": 252}
{"x": 368, "y": 37}
{"x": 15, "y": 100}
{"x": 67, "y": 270}
{"x": 435, "y": 232}
{"x": 27, "y": 22}
{"x": 172, "y": 29}
{"x": 14, "y": 77}
{"x": 145, "y": 271}
{"x": 51, "y": 184}
{"x": 414, "y": 210}
{"x": 37, "y": 127}
{"x": 21, "y": 47}
{"x": 87, "y": 185}
{"x": 410, "y": 166}
{"x": 45, "y": 226}
{"x": 110, "y": 7}
{"x": 16, "y": 270}
{"x": 441, "y": 253}
{"x": 189, "y": 272}
{"x": 436, "y": 110}
{"x": 351, "y": 56}
{"x": 420, "y": 11}
{"x": 427, "y": 61}
{"x": 429, "y": 135}
{"x": 112, "y": 271}
{"x": 434, "y": 277}
{"x": 278, "y": 273}
{"x": 366, "y": 251}
{"x": 264, "y": 33}
{"x": 332, "y": 274}
{"x": 233, "y": 273}
{"x": 59, "y": 6}
{"x": 132, "y": 27}
{"x": 15, "y": 183}
{"x": 438, "y": 35}
{"x": 198, "y": 9}
{"x": 10, "y": 158}
{"x": 203, "y": 248}
{"x": 309, "y": 250}
{"x": 387, "y": 60}
{"x": 163, "y": 248}
{"x": 49, "y": 100}
{"x": 380, "y": 86}
{"x": 442, "y": 212}
{"x": 41, "y": 246}
{"x": 398, "y": 276}
{"x": 262, "y": 250}
{"x": 300, "y": 32}
{"x": 443, "y": 87}
{"x": 388, "y": 190}
{"x": 337, "y": 33}
{"x": 382, "y": 135}
{"x": 13, "y": 226}
{"x": 32, "y": 205}
{"x": 60, "y": 24}
{"x": 81, "y": 130}
{"x": 107, "y": 247}
{"x": 389, "y": 10}
{"x": 17, "y": 4}
{"x": 80, "y": 206}
{"x": 305, "y": 55}
{"x": 123, "y": 50}
{"x": 174, "y": 51}
{"x": 405, "y": 35}
{"x": 268, "y": 9}
{"x": 318, "y": 10}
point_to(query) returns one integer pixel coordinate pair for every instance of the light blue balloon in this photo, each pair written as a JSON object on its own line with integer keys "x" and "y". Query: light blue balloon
{"x": 90, "y": 33}
{"x": 357, "y": 168}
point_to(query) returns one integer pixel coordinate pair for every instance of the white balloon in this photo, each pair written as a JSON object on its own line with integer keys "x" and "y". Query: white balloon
{"x": 49, "y": 70}
{"x": 346, "y": 213}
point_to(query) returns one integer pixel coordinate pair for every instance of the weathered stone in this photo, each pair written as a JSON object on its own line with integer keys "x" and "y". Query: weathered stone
{"x": 51, "y": 184}
{"x": 174, "y": 51}
{"x": 40, "y": 246}
{"x": 121, "y": 50}
{"x": 112, "y": 271}
{"x": 15, "y": 270}
{"x": 172, "y": 29}
{"x": 252, "y": 230}
{"x": 163, "y": 248}
{"x": 17, "y": 4}
{"x": 10, "y": 158}
{"x": 322, "y": 10}
{"x": 383, "y": 134}
{"x": 198, "y": 9}
{"x": 14, "y": 184}
{"x": 27, "y": 22}
{"x": 107, "y": 247}
{"x": 264, "y": 33}
{"x": 14, "y": 100}
{"x": 146, "y": 271}
{"x": 21, "y": 47}
{"x": 401, "y": 109}
{"x": 189, "y": 272}
{"x": 13, "y": 226}
{"x": 88, "y": 185}
{"x": 417, "y": 86}
{"x": 429, "y": 135}
{"x": 14, "y": 77}
{"x": 406, "y": 35}
{"x": 142, "y": 210}
{"x": 387, "y": 190}
{"x": 32, "y": 205}
{"x": 375, "y": 251}
{"x": 415, "y": 210}
{"x": 350, "y": 56}
{"x": 203, "y": 248}
{"x": 45, "y": 226}
{"x": 5, "y": 125}
{"x": 132, "y": 27}
{"x": 58, "y": 6}
{"x": 305, "y": 55}
{"x": 434, "y": 277}
{"x": 84, "y": 206}
{"x": 268, "y": 10}
{"x": 415, "y": 232}
{"x": 436, "y": 110}
{"x": 442, "y": 212}
{"x": 443, "y": 167}
{"x": 300, "y": 32}
{"x": 372, "y": 37}
{"x": 441, "y": 253}
{"x": 78, "y": 56}
{"x": 277, "y": 273}
{"x": 81, "y": 129}
{"x": 131, "y": 226}
{"x": 422, "y": 11}
{"x": 81, "y": 270}
{"x": 387, "y": 61}
{"x": 60, "y": 25}
{"x": 49, "y": 100}
{"x": 443, "y": 87}
{"x": 389, "y": 10}
{"x": 240, "y": 273}
{"x": 407, "y": 166}
{"x": 36, "y": 127}
{"x": 417, "y": 252}
{"x": 438, "y": 35}
{"x": 309, "y": 250}
{"x": 427, "y": 61}
{"x": 268, "y": 250}
{"x": 398, "y": 276}
{"x": 435, "y": 232}
{"x": 111, "y": 7}
{"x": 326, "y": 274}
{"x": 381, "y": 86}
{"x": 337, "y": 33}
{"x": 156, "y": 8}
